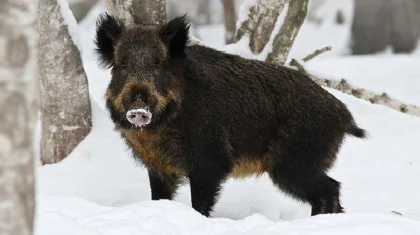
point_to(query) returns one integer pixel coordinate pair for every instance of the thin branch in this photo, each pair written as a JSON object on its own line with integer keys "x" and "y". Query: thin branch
{"x": 316, "y": 53}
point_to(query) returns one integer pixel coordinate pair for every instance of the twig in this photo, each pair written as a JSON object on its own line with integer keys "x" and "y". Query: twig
{"x": 316, "y": 53}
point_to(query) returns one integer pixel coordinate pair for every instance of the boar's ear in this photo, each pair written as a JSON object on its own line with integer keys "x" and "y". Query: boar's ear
{"x": 108, "y": 31}
{"x": 174, "y": 34}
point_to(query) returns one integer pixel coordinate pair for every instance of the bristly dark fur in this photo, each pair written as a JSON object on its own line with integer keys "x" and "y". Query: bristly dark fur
{"x": 108, "y": 31}
{"x": 217, "y": 115}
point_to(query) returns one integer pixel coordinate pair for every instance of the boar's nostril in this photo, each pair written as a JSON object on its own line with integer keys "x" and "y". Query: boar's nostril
{"x": 132, "y": 116}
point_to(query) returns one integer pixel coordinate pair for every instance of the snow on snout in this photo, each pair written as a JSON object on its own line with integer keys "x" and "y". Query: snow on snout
{"x": 139, "y": 117}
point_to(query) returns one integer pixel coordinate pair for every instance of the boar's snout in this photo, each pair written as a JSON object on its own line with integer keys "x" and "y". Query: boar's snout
{"x": 139, "y": 117}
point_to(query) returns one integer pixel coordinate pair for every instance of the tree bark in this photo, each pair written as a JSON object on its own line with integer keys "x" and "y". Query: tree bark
{"x": 285, "y": 38}
{"x": 65, "y": 102}
{"x": 148, "y": 12}
{"x": 370, "y": 26}
{"x": 230, "y": 20}
{"x": 405, "y": 32}
{"x": 260, "y": 23}
{"x": 18, "y": 99}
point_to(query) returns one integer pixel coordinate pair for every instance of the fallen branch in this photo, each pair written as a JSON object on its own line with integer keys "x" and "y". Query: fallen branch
{"x": 361, "y": 93}
{"x": 316, "y": 53}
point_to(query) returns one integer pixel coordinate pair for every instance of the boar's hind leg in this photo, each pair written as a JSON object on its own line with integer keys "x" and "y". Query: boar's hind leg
{"x": 307, "y": 185}
{"x": 163, "y": 186}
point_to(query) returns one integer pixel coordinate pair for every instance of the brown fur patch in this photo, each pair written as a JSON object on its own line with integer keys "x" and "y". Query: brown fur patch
{"x": 144, "y": 143}
{"x": 164, "y": 50}
{"x": 109, "y": 94}
{"x": 248, "y": 166}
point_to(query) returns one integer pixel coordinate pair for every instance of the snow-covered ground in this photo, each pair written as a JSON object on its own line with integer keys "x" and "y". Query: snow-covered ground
{"x": 100, "y": 189}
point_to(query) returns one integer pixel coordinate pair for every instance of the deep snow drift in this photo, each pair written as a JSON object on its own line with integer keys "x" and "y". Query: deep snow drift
{"x": 100, "y": 189}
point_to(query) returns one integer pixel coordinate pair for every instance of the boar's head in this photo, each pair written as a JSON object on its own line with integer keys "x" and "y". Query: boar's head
{"x": 146, "y": 64}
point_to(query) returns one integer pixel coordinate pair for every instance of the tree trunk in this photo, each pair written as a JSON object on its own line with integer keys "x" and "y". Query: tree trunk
{"x": 260, "y": 22}
{"x": 404, "y": 33}
{"x": 149, "y": 12}
{"x": 381, "y": 23}
{"x": 370, "y": 27}
{"x": 65, "y": 103}
{"x": 18, "y": 99}
{"x": 230, "y": 20}
{"x": 285, "y": 38}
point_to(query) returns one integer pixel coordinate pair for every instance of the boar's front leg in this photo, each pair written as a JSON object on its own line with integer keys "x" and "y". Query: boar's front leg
{"x": 205, "y": 187}
{"x": 209, "y": 162}
{"x": 163, "y": 186}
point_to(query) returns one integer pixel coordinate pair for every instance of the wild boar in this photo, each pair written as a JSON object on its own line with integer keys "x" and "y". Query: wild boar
{"x": 193, "y": 113}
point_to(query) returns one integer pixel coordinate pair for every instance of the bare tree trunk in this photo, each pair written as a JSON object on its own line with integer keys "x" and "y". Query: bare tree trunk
{"x": 138, "y": 12}
{"x": 371, "y": 26}
{"x": 230, "y": 20}
{"x": 260, "y": 23}
{"x": 285, "y": 38}
{"x": 18, "y": 99}
{"x": 66, "y": 110}
{"x": 405, "y": 32}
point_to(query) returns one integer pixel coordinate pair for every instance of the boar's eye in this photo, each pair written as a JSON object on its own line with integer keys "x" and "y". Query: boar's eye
{"x": 119, "y": 71}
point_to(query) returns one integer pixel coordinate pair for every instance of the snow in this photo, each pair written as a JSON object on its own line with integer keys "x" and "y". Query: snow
{"x": 71, "y": 23}
{"x": 78, "y": 216}
{"x": 100, "y": 189}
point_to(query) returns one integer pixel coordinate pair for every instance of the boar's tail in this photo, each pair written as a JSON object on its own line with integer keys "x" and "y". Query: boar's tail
{"x": 357, "y": 131}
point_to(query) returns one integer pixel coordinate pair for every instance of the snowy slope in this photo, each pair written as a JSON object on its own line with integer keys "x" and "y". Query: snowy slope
{"x": 77, "y": 216}
{"x": 99, "y": 189}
